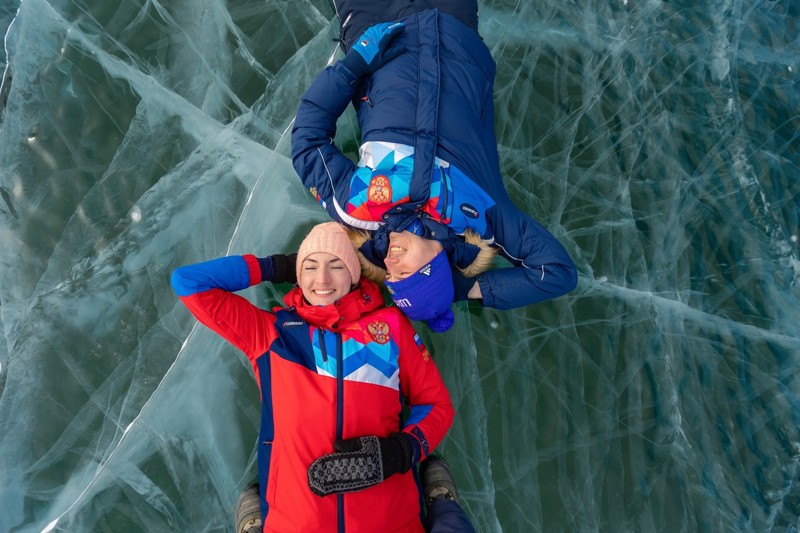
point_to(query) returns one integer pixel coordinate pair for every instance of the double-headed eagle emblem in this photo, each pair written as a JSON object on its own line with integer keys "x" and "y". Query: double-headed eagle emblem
{"x": 379, "y": 331}
{"x": 380, "y": 190}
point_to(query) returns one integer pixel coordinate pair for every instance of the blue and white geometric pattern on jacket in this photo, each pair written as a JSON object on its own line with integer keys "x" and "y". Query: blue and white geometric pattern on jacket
{"x": 367, "y": 363}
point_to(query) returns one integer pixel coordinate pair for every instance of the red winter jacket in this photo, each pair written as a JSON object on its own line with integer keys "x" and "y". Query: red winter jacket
{"x": 331, "y": 372}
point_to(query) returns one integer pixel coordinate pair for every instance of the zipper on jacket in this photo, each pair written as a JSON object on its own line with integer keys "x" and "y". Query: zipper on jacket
{"x": 322, "y": 348}
{"x": 367, "y": 100}
{"x": 445, "y": 198}
{"x": 339, "y": 418}
{"x": 339, "y": 387}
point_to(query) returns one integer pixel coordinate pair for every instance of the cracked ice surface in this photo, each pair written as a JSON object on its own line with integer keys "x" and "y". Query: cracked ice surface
{"x": 658, "y": 140}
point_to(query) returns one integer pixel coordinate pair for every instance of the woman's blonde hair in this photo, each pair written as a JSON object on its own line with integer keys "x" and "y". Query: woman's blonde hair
{"x": 371, "y": 271}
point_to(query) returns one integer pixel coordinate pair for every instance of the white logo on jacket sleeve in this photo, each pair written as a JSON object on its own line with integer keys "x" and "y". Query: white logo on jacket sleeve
{"x": 469, "y": 211}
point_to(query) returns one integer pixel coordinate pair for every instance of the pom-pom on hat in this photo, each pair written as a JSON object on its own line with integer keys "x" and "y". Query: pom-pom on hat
{"x": 332, "y": 238}
{"x": 427, "y": 294}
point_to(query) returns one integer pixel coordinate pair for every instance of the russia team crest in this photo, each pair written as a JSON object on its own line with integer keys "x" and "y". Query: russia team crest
{"x": 380, "y": 190}
{"x": 379, "y": 331}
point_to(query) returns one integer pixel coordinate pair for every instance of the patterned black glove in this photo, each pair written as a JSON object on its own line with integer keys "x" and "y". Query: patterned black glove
{"x": 360, "y": 463}
{"x": 372, "y": 50}
{"x": 278, "y": 268}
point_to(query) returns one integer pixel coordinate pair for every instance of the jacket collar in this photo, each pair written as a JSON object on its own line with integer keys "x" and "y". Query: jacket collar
{"x": 363, "y": 299}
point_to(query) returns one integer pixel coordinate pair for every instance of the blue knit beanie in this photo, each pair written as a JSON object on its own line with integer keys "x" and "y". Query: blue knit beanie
{"x": 427, "y": 294}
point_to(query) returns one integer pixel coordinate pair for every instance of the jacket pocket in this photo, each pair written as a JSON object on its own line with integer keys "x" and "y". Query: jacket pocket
{"x": 267, "y": 471}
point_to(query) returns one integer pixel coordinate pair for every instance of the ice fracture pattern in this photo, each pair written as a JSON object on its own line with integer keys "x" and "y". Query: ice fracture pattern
{"x": 658, "y": 140}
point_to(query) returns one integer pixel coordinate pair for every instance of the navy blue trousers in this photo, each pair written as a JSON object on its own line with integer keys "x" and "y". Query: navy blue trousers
{"x": 446, "y": 516}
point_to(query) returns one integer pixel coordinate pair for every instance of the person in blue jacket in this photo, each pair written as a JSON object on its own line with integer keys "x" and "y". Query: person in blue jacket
{"x": 427, "y": 189}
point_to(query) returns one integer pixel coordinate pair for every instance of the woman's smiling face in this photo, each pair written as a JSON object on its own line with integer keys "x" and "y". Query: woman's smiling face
{"x": 408, "y": 253}
{"x": 324, "y": 278}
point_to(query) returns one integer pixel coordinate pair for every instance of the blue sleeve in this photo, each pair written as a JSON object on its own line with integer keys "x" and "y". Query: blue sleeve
{"x": 416, "y": 414}
{"x": 227, "y": 273}
{"x": 322, "y": 167}
{"x": 542, "y": 267}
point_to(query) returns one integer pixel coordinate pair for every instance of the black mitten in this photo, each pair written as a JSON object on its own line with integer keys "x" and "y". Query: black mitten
{"x": 278, "y": 268}
{"x": 285, "y": 268}
{"x": 360, "y": 463}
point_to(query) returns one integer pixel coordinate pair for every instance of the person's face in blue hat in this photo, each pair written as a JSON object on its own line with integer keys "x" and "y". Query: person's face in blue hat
{"x": 408, "y": 253}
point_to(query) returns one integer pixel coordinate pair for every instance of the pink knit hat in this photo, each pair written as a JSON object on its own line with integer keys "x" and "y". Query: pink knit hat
{"x": 330, "y": 237}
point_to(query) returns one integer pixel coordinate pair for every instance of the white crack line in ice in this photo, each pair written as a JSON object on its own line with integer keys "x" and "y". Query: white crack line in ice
{"x": 263, "y": 172}
{"x": 698, "y": 316}
{"x": 52, "y": 525}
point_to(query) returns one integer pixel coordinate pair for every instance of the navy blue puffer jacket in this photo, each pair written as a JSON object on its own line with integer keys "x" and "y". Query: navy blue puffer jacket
{"x": 437, "y": 97}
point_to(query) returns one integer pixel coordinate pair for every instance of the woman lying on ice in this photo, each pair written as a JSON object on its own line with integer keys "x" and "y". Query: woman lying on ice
{"x": 427, "y": 189}
{"x": 335, "y": 369}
